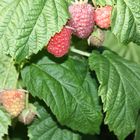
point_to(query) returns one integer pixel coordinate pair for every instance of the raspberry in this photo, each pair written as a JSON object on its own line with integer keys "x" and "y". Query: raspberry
{"x": 103, "y": 16}
{"x": 13, "y": 101}
{"x": 59, "y": 44}
{"x": 96, "y": 38}
{"x": 28, "y": 114}
{"x": 82, "y": 19}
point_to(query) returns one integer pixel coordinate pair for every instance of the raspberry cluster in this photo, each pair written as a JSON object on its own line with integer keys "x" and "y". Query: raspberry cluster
{"x": 83, "y": 18}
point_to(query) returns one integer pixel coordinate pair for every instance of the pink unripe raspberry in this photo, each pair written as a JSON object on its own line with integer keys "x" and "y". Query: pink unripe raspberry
{"x": 13, "y": 101}
{"x": 102, "y": 16}
{"x": 82, "y": 19}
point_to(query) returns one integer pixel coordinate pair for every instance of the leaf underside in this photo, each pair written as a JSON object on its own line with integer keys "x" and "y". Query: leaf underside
{"x": 8, "y": 73}
{"x": 129, "y": 51}
{"x": 26, "y": 26}
{"x": 126, "y": 21}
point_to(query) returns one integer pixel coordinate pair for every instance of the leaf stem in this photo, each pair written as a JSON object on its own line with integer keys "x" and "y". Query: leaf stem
{"x": 80, "y": 52}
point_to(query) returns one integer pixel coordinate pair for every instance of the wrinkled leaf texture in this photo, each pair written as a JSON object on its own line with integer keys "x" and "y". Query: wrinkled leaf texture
{"x": 68, "y": 90}
{"x": 5, "y": 121}
{"x": 119, "y": 90}
{"x": 126, "y": 21}
{"x": 26, "y": 26}
{"x": 45, "y": 128}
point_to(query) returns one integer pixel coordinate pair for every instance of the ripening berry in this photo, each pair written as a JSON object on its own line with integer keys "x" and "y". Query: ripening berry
{"x": 102, "y": 16}
{"x": 13, "y": 101}
{"x": 28, "y": 114}
{"x": 82, "y": 19}
{"x": 96, "y": 38}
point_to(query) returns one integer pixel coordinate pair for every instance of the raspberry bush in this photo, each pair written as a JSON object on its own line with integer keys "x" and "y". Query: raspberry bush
{"x": 76, "y": 65}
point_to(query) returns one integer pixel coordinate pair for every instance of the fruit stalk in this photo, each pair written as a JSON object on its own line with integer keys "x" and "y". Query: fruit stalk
{"x": 80, "y": 52}
{"x": 94, "y": 3}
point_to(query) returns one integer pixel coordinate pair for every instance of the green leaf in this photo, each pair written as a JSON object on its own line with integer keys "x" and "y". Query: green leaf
{"x": 27, "y": 25}
{"x": 69, "y": 1}
{"x": 68, "y": 90}
{"x": 119, "y": 90}
{"x": 8, "y": 73}
{"x": 5, "y": 121}
{"x": 104, "y": 2}
{"x": 126, "y": 21}
{"x": 130, "y": 51}
{"x": 45, "y": 128}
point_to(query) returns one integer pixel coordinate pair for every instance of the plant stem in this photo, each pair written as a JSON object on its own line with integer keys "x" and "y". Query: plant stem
{"x": 94, "y": 3}
{"x": 80, "y": 52}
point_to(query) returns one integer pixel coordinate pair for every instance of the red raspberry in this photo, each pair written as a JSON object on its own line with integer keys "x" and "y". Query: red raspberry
{"x": 82, "y": 19}
{"x": 103, "y": 16}
{"x": 59, "y": 44}
{"x": 13, "y": 101}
